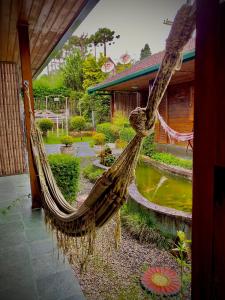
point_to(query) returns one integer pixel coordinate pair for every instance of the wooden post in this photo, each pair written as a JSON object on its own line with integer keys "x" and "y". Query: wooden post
{"x": 26, "y": 73}
{"x": 138, "y": 99}
{"x": 208, "y": 227}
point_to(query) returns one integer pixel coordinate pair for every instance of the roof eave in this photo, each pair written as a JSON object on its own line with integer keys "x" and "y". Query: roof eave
{"x": 86, "y": 9}
{"x": 186, "y": 57}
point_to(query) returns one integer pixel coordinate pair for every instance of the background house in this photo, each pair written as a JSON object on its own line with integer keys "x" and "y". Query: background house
{"x": 130, "y": 88}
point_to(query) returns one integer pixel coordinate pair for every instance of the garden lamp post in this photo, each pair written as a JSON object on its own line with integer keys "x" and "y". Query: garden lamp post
{"x": 56, "y": 99}
{"x": 67, "y": 112}
{"x": 46, "y": 104}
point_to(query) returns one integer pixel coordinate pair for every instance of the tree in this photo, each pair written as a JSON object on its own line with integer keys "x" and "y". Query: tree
{"x": 94, "y": 41}
{"x": 79, "y": 42}
{"x": 92, "y": 106}
{"x": 92, "y": 73}
{"x": 105, "y": 36}
{"x": 99, "y": 104}
{"x": 146, "y": 51}
{"x": 73, "y": 71}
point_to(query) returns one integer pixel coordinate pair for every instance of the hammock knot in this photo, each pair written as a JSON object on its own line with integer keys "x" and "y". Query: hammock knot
{"x": 138, "y": 120}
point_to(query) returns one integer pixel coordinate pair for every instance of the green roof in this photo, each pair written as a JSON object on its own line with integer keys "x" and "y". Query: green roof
{"x": 186, "y": 57}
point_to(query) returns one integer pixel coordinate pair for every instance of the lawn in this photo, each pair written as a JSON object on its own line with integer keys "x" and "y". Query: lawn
{"x": 52, "y": 138}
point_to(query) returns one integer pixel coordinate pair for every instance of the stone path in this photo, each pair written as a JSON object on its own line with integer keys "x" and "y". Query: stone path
{"x": 81, "y": 149}
{"x": 29, "y": 264}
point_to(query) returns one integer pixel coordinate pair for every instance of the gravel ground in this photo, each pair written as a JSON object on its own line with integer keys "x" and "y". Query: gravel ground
{"x": 115, "y": 274}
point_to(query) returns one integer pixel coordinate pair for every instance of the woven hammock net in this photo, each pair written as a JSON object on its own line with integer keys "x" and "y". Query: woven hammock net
{"x": 110, "y": 191}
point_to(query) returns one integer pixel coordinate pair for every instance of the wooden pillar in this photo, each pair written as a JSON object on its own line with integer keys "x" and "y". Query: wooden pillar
{"x": 208, "y": 245}
{"x": 26, "y": 73}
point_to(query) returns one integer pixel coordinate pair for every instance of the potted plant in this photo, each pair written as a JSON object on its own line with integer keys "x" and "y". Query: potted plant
{"x": 67, "y": 147}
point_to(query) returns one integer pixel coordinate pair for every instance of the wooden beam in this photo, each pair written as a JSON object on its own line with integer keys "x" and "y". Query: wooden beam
{"x": 24, "y": 46}
{"x": 208, "y": 247}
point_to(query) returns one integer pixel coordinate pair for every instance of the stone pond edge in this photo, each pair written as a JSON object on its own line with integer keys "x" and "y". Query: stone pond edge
{"x": 170, "y": 218}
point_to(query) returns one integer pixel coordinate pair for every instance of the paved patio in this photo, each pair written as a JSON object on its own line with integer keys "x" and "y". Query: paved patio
{"x": 81, "y": 149}
{"x": 29, "y": 264}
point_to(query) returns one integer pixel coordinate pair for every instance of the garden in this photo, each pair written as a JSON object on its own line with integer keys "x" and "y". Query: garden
{"x": 151, "y": 261}
{"x": 145, "y": 242}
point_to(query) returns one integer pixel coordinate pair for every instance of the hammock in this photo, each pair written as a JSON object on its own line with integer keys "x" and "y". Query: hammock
{"x": 183, "y": 137}
{"x": 110, "y": 191}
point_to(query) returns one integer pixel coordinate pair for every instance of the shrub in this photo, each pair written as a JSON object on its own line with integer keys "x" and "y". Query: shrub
{"x": 126, "y": 134}
{"x": 66, "y": 170}
{"x": 45, "y": 125}
{"x": 92, "y": 173}
{"x": 120, "y": 144}
{"x": 148, "y": 147}
{"x": 109, "y": 160}
{"x": 106, "y": 151}
{"x": 120, "y": 120}
{"x": 99, "y": 138}
{"x": 142, "y": 225}
{"x": 88, "y": 126}
{"x": 67, "y": 140}
{"x": 77, "y": 123}
{"x": 170, "y": 159}
{"x": 110, "y": 131}
{"x": 106, "y": 157}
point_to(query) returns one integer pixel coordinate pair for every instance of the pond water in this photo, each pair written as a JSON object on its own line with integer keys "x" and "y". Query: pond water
{"x": 164, "y": 189}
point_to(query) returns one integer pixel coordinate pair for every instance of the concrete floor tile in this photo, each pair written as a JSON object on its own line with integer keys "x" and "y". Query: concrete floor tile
{"x": 60, "y": 285}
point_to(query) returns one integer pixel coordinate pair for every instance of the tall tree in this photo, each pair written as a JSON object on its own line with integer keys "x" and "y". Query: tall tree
{"x": 146, "y": 51}
{"x": 73, "y": 71}
{"x": 105, "y": 37}
{"x": 94, "y": 41}
{"x": 79, "y": 42}
{"x": 92, "y": 73}
{"x": 94, "y": 104}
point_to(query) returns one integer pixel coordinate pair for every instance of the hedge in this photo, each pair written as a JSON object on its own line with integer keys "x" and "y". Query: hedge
{"x": 66, "y": 170}
{"x": 110, "y": 131}
{"x": 148, "y": 147}
{"x": 126, "y": 134}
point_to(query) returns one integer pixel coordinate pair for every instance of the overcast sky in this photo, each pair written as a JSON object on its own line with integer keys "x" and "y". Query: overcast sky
{"x": 137, "y": 21}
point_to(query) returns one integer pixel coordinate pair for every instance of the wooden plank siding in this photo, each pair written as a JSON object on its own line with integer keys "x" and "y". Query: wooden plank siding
{"x": 176, "y": 108}
{"x": 125, "y": 102}
{"x": 12, "y": 159}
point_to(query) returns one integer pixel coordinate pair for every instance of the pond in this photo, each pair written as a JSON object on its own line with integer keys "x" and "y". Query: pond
{"x": 163, "y": 188}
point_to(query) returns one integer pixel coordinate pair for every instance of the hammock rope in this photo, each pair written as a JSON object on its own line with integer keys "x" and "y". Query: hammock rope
{"x": 110, "y": 191}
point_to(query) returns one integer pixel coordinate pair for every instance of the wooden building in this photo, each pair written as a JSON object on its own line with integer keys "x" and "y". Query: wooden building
{"x": 31, "y": 30}
{"x": 129, "y": 89}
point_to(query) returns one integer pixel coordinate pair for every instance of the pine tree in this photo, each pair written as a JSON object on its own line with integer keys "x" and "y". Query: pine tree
{"x": 106, "y": 36}
{"x": 146, "y": 51}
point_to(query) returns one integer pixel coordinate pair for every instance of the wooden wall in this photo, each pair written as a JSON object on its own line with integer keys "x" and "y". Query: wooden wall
{"x": 177, "y": 110}
{"x": 125, "y": 102}
{"x": 12, "y": 159}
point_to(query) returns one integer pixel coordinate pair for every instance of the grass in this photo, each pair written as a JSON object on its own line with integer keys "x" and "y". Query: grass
{"x": 92, "y": 173}
{"x": 143, "y": 226}
{"x": 170, "y": 159}
{"x": 52, "y": 138}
